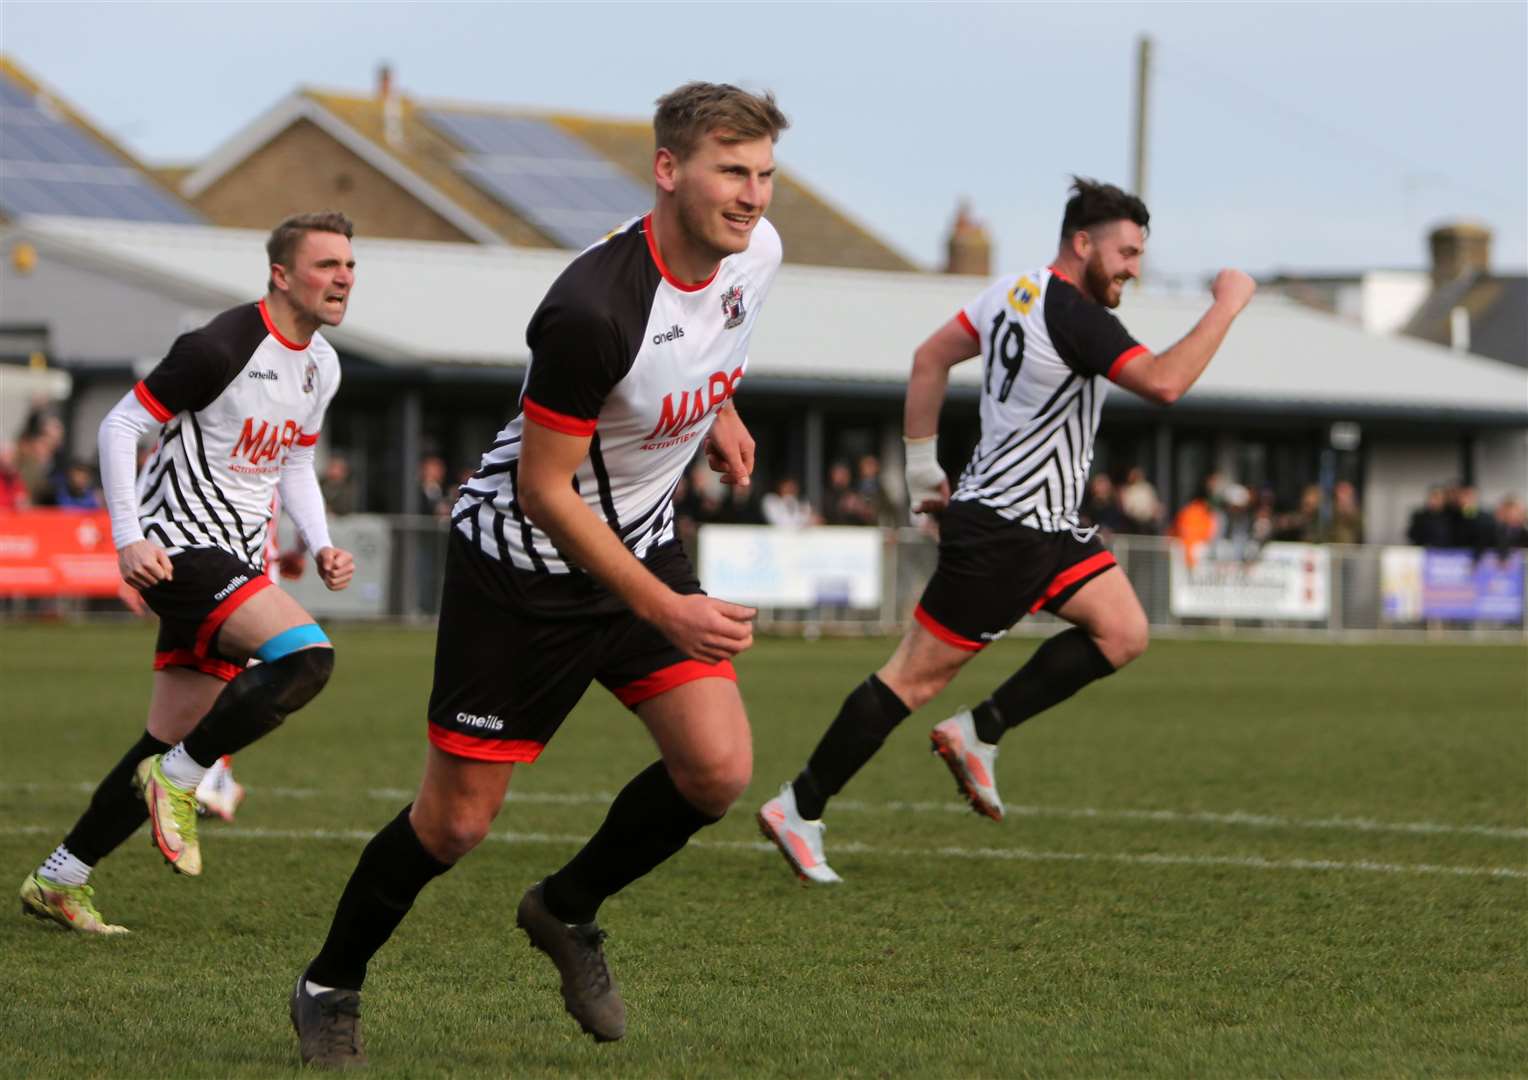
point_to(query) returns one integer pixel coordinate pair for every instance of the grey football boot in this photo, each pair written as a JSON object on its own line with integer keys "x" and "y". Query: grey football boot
{"x": 328, "y": 1027}
{"x": 588, "y": 992}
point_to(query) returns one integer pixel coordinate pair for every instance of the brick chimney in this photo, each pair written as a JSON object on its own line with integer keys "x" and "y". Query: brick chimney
{"x": 969, "y": 246}
{"x": 392, "y": 107}
{"x": 1458, "y": 249}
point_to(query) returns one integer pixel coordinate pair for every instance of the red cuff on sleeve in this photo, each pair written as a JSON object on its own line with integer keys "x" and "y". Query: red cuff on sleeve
{"x": 960, "y": 317}
{"x": 568, "y": 425}
{"x": 1123, "y": 359}
{"x": 147, "y": 399}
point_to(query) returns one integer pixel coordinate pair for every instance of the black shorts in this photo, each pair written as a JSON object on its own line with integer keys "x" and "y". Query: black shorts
{"x": 207, "y": 586}
{"x": 992, "y": 572}
{"x": 515, "y": 651}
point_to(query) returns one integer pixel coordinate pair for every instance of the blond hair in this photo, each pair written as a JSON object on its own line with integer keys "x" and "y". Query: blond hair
{"x": 687, "y": 115}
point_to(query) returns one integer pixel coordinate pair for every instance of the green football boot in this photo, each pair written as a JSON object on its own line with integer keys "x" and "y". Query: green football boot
{"x": 70, "y": 906}
{"x": 172, "y": 817}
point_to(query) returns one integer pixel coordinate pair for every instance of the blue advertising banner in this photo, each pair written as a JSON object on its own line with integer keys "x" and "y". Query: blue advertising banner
{"x": 1456, "y": 585}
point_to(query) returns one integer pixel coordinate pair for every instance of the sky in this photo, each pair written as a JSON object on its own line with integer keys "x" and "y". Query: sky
{"x": 1282, "y": 136}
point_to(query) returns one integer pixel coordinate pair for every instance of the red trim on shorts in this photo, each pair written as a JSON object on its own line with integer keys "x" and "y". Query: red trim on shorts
{"x": 664, "y": 679}
{"x": 147, "y": 399}
{"x": 207, "y": 665}
{"x": 270, "y": 327}
{"x": 1072, "y": 574}
{"x": 307, "y": 438}
{"x": 945, "y": 634}
{"x": 568, "y": 425}
{"x": 1123, "y": 359}
{"x": 476, "y": 749}
{"x": 964, "y": 320}
{"x": 652, "y": 249}
{"x": 230, "y": 604}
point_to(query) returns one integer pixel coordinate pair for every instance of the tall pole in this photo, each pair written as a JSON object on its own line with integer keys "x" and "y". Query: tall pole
{"x": 1142, "y": 100}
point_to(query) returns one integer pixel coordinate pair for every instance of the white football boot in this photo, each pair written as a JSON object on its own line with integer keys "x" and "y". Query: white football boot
{"x": 972, "y": 762}
{"x": 219, "y": 793}
{"x": 798, "y": 839}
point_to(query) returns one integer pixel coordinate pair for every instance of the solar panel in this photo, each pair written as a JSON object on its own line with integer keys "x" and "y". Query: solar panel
{"x": 547, "y": 176}
{"x": 48, "y": 166}
{"x": 13, "y": 95}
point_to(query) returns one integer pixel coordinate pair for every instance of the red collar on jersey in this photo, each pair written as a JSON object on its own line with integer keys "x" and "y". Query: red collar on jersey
{"x": 1055, "y": 270}
{"x": 652, "y": 247}
{"x": 270, "y": 326}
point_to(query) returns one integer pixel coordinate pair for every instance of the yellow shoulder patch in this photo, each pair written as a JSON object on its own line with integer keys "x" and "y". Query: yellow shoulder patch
{"x": 1023, "y": 295}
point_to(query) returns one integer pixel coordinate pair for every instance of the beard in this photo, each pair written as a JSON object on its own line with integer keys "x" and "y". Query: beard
{"x": 1098, "y": 282}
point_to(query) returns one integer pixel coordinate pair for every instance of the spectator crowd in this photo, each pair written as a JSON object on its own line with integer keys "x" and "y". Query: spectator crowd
{"x": 37, "y": 471}
{"x": 1452, "y": 517}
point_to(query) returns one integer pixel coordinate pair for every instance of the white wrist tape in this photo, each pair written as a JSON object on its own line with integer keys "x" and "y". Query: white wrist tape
{"x": 924, "y": 476}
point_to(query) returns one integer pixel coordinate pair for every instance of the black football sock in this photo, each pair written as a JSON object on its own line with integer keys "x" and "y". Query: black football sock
{"x": 648, "y": 822}
{"x": 116, "y": 809}
{"x": 1060, "y": 667}
{"x": 392, "y": 871}
{"x": 866, "y": 718}
{"x": 256, "y": 701}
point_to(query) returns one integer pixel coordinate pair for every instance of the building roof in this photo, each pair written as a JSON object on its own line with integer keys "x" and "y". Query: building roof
{"x": 53, "y": 160}
{"x": 423, "y": 158}
{"x": 432, "y": 303}
{"x": 1498, "y": 315}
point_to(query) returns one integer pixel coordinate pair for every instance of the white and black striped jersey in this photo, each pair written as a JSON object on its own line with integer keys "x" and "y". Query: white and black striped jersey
{"x": 235, "y": 398}
{"x": 1047, "y": 351}
{"x": 641, "y": 362}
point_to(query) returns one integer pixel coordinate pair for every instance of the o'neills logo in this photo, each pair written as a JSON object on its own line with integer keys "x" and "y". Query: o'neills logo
{"x": 678, "y": 416}
{"x": 227, "y": 590}
{"x": 266, "y": 442}
{"x": 266, "y": 374}
{"x": 675, "y": 331}
{"x": 491, "y": 722}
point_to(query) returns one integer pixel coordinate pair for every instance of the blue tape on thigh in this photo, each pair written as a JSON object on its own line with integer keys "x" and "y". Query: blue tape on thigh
{"x": 289, "y": 641}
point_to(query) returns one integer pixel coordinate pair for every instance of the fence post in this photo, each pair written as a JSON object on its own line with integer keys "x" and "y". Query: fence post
{"x": 1335, "y": 565}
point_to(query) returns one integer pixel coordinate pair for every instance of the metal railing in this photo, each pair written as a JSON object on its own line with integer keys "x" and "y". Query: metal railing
{"x": 400, "y": 560}
{"x": 1355, "y": 607}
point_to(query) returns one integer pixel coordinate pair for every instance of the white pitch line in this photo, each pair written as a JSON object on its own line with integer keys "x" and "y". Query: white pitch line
{"x": 1245, "y": 862}
{"x": 1235, "y": 818}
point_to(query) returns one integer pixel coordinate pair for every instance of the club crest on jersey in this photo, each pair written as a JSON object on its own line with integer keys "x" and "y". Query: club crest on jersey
{"x": 309, "y": 376}
{"x": 732, "y": 307}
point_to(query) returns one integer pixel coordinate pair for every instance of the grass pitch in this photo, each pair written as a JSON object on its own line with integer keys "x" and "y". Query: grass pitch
{"x": 1231, "y": 860}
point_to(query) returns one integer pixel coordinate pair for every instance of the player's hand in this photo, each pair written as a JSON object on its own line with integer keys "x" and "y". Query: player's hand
{"x": 144, "y": 564}
{"x": 291, "y": 564}
{"x": 729, "y": 448}
{"x": 335, "y": 567}
{"x": 707, "y": 629}
{"x": 1234, "y": 289}
{"x": 132, "y": 599}
{"x": 928, "y": 489}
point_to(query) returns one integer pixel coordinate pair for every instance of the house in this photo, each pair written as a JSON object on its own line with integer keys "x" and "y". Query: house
{"x": 1459, "y": 301}
{"x": 413, "y": 169}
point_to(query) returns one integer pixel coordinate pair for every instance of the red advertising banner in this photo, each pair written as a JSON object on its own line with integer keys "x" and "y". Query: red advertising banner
{"x": 57, "y": 553}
